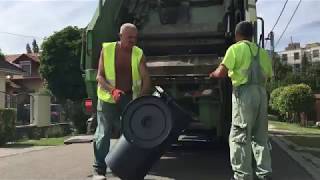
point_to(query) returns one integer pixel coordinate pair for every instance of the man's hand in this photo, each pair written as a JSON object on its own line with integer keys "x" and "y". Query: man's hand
{"x": 213, "y": 74}
{"x": 116, "y": 93}
{"x": 220, "y": 72}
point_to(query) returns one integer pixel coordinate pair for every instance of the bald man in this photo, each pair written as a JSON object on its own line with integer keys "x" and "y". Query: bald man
{"x": 249, "y": 67}
{"x": 122, "y": 76}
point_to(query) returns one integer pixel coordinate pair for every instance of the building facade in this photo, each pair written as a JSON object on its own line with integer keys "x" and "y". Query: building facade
{"x": 293, "y": 54}
{"x": 313, "y": 51}
{"x": 31, "y": 81}
{"x": 6, "y": 70}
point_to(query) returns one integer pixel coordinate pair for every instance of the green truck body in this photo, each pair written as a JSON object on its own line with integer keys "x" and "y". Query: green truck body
{"x": 183, "y": 40}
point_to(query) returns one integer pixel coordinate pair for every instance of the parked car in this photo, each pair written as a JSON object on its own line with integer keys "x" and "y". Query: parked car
{"x": 57, "y": 113}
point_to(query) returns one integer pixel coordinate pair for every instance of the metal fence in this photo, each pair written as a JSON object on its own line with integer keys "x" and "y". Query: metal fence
{"x": 22, "y": 102}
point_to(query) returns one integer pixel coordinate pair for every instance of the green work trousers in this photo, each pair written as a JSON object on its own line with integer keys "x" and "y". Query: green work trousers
{"x": 108, "y": 118}
{"x": 249, "y": 133}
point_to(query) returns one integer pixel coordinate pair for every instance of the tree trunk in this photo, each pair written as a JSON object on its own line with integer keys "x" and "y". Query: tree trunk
{"x": 303, "y": 119}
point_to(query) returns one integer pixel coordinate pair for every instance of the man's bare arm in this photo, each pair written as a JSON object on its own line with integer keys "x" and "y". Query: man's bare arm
{"x": 146, "y": 80}
{"x": 102, "y": 82}
{"x": 220, "y": 72}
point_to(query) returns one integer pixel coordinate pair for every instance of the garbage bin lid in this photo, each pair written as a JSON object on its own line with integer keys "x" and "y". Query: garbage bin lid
{"x": 146, "y": 121}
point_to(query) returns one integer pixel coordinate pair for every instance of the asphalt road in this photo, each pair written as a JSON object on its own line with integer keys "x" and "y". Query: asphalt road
{"x": 191, "y": 162}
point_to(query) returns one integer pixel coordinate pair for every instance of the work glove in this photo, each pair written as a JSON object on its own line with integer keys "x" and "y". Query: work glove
{"x": 116, "y": 94}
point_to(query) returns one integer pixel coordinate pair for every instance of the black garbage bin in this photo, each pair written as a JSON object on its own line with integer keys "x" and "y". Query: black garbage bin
{"x": 150, "y": 125}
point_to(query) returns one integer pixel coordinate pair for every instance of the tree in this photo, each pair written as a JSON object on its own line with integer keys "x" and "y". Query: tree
{"x": 28, "y": 48}
{"x": 35, "y": 46}
{"x": 60, "y": 67}
{"x": 281, "y": 73}
{"x": 1, "y": 55}
{"x": 60, "y": 64}
{"x": 305, "y": 64}
{"x": 314, "y": 76}
{"x": 281, "y": 70}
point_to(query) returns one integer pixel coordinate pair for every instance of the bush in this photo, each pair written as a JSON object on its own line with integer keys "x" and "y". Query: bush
{"x": 296, "y": 98}
{"x": 7, "y": 125}
{"x": 76, "y": 115}
{"x": 292, "y": 99}
{"x": 274, "y": 98}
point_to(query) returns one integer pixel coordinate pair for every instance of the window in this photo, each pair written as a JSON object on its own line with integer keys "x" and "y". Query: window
{"x": 296, "y": 56}
{"x": 26, "y": 66}
{"x": 284, "y": 57}
{"x": 315, "y": 53}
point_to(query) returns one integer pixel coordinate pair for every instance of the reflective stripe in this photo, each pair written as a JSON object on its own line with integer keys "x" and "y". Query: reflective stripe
{"x": 136, "y": 87}
{"x": 109, "y": 50}
{"x": 137, "y": 83}
{"x": 109, "y": 66}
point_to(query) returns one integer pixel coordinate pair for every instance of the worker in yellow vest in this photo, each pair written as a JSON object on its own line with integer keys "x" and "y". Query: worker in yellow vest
{"x": 249, "y": 67}
{"x": 122, "y": 76}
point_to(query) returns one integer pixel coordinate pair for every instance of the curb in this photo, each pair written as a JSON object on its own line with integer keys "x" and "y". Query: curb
{"x": 79, "y": 139}
{"x": 305, "y": 160}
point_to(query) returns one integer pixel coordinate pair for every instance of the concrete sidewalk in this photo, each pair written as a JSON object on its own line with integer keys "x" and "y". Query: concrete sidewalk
{"x": 10, "y": 151}
{"x": 306, "y": 160}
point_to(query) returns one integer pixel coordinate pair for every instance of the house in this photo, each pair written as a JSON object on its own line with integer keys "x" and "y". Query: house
{"x": 31, "y": 81}
{"x": 7, "y": 70}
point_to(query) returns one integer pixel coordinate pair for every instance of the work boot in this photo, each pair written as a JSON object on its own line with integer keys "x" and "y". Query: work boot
{"x": 266, "y": 178}
{"x": 98, "y": 177}
{"x": 99, "y": 174}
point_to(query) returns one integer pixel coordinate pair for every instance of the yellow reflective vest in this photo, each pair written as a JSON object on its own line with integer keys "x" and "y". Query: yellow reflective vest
{"x": 109, "y": 50}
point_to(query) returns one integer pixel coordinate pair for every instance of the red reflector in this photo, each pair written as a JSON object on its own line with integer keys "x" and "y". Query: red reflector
{"x": 88, "y": 105}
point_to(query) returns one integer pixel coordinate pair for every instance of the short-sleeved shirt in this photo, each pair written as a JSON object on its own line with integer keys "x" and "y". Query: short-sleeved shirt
{"x": 238, "y": 58}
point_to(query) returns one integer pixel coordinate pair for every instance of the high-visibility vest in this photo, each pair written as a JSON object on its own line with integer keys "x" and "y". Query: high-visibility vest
{"x": 109, "y": 50}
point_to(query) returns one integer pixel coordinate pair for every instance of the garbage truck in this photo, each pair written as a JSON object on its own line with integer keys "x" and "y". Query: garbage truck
{"x": 183, "y": 40}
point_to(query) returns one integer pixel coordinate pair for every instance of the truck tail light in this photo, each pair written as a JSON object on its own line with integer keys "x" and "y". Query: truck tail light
{"x": 88, "y": 105}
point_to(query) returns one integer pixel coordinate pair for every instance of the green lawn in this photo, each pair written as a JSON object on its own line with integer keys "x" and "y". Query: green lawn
{"x": 293, "y": 128}
{"x": 40, "y": 142}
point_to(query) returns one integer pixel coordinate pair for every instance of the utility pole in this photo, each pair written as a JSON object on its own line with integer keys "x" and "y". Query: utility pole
{"x": 271, "y": 38}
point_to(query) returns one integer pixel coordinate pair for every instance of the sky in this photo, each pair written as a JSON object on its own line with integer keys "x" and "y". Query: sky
{"x": 37, "y": 19}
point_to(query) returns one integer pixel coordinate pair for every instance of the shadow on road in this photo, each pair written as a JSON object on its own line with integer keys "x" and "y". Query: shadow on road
{"x": 194, "y": 160}
{"x": 211, "y": 161}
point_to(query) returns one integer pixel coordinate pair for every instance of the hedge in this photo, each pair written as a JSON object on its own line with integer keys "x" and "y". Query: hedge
{"x": 294, "y": 98}
{"x": 274, "y": 98}
{"x": 7, "y": 125}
